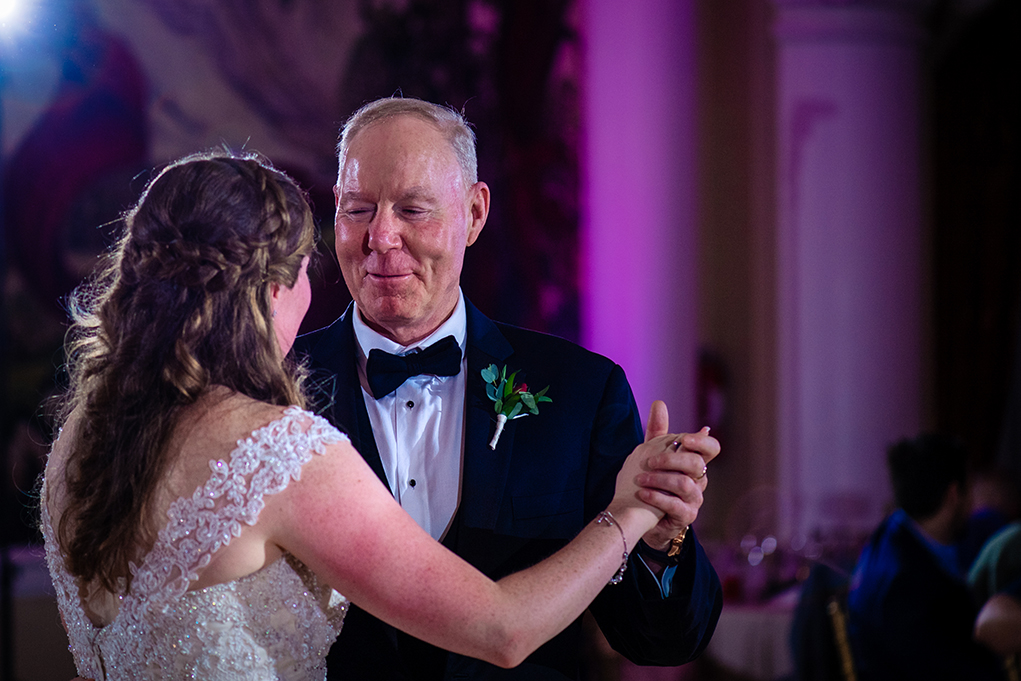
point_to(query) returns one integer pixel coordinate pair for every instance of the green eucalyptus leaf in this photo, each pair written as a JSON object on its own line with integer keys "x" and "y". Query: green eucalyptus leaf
{"x": 507, "y": 400}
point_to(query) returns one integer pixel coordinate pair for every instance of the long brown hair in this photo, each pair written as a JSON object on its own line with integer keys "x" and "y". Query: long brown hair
{"x": 182, "y": 304}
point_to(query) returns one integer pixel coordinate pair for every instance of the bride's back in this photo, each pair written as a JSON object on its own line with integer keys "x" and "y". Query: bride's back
{"x": 185, "y": 304}
{"x": 211, "y": 588}
{"x": 170, "y": 442}
{"x": 205, "y": 431}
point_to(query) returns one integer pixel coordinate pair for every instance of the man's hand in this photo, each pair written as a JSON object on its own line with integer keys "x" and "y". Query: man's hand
{"x": 676, "y": 480}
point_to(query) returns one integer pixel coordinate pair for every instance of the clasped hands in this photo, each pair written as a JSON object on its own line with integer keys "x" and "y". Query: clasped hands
{"x": 674, "y": 480}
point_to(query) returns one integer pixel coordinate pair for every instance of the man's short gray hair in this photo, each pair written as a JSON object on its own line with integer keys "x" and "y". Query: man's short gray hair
{"x": 452, "y": 124}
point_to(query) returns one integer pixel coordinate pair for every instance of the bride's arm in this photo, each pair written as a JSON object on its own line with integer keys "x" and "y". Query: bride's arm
{"x": 342, "y": 523}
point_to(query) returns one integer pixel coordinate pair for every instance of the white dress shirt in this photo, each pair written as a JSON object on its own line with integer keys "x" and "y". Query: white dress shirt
{"x": 419, "y": 428}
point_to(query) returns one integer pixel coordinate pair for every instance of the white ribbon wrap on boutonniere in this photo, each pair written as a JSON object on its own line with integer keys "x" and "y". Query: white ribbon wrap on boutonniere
{"x": 509, "y": 401}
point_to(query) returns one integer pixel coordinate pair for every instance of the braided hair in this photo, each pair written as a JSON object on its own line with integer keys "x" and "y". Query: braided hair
{"x": 181, "y": 305}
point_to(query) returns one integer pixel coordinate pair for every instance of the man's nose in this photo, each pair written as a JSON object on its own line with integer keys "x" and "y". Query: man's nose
{"x": 385, "y": 231}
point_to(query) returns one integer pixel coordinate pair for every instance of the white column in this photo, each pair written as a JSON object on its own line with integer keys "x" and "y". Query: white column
{"x": 849, "y": 254}
{"x": 638, "y": 261}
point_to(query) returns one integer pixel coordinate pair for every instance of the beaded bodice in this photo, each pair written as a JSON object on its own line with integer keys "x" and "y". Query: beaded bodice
{"x": 276, "y": 623}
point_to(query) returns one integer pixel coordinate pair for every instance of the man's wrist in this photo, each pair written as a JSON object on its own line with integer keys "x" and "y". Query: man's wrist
{"x": 670, "y": 555}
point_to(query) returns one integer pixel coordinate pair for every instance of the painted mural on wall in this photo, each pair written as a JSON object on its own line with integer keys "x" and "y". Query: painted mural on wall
{"x": 98, "y": 93}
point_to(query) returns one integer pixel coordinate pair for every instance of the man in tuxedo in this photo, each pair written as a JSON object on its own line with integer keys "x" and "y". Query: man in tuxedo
{"x": 408, "y": 205}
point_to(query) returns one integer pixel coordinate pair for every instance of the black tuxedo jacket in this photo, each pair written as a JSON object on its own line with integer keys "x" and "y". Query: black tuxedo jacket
{"x": 550, "y": 474}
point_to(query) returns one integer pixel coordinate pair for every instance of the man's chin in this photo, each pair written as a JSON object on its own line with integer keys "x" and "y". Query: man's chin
{"x": 389, "y": 307}
{"x": 387, "y": 315}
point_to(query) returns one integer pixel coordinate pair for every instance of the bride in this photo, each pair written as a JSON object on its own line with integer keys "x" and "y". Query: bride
{"x": 199, "y": 523}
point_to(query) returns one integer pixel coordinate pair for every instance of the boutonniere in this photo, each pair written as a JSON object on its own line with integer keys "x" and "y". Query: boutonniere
{"x": 509, "y": 401}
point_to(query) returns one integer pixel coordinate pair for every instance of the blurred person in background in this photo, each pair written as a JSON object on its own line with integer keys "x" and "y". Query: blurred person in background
{"x": 910, "y": 613}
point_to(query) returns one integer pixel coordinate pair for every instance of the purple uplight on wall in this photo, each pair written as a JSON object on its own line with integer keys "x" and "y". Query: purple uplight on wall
{"x": 640, "y": 182}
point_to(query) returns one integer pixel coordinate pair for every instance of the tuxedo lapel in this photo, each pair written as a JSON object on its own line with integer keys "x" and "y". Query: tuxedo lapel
{"x": 338, "y": 390}
{"x": 485, "y": 471}
{"x": 484, "y": 477}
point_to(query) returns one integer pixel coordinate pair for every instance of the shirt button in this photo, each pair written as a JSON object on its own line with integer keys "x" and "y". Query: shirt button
{"x": 412, "y": 482}
{"x": 410, "y": 404}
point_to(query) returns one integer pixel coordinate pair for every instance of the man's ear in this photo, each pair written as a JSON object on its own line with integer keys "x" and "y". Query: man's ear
{"x": 478, "y": 210}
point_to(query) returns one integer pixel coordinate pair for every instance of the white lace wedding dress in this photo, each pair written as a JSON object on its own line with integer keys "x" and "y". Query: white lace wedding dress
{"x": 277, "y": 623}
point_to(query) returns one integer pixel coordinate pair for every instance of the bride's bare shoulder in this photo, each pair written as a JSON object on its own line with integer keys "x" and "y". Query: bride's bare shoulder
{"x": 210, "y": 429}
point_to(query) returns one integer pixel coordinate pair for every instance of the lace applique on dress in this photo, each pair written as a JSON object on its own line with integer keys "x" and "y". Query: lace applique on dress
{"x": 277, "y": 623}
{"x": 80, "y": 631}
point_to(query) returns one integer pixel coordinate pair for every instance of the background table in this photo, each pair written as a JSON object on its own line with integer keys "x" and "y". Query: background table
{"x": 753, "y": 640}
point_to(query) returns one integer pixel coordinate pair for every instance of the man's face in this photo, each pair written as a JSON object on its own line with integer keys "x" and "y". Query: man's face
{"x": 404, "y": 220}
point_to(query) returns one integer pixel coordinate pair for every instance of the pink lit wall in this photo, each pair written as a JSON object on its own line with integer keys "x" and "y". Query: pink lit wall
{"x": 639, "y": 225}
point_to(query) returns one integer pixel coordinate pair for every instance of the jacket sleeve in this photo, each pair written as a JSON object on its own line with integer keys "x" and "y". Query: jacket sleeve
{"x": 638, "y": 623}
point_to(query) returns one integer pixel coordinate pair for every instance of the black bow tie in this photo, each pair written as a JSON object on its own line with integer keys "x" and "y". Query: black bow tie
{"x": 388, "y": 372}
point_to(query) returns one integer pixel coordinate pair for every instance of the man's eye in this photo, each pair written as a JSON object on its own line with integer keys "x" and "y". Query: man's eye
{"x": 356, "y": 213}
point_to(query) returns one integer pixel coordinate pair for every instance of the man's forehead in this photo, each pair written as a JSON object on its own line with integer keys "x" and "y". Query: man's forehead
{"x": 408, "y": 173}
{"x": 402, "y": 160}
{"x": 381, "y": 131}
{"x": 353, "y": 192}
{"x": 403, "y": 135}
